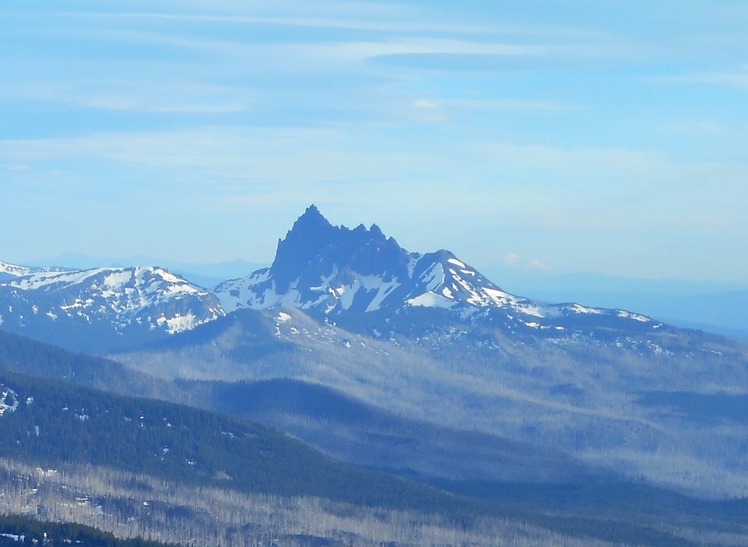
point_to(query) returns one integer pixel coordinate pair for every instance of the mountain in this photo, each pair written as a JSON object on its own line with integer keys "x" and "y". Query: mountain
{"x": 103, "y": 308}
{"x": 358, "y": 278}
{"x": 424, "y": 336}
{"x": 341, "y": 274}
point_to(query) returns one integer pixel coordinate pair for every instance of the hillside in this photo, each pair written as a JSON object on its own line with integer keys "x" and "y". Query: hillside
{"x": 90, "y": 435}
{"x": 55, "y": 423}
{"x": 584, "y": 398}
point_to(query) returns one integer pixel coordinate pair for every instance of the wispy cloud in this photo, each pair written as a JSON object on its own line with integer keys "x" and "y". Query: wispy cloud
{"x": 585, "y": 163}
{"x": 138, "y": 95}
{"x": 732, "y": 78}
{"x": 515, "y": 260}
{"x": 534, "y": 105}
{"x": 380, "y": 17}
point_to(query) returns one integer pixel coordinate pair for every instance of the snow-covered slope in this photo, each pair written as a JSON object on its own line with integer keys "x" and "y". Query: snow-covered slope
{"x": 338, "y": 272}
{"x": 102, "y": 305}
{"x": 9, "y": 271}
{"x": 13, "y": 270}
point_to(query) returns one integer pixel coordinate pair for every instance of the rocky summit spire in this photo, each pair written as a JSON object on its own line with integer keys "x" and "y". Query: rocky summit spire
{"x": 314, "y": 248}
{"x": 309, "y": 236}
{"x": 311, "y": 217}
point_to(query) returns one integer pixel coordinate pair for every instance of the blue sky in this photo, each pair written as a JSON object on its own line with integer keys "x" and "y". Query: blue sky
{"x": 579, "y": 136}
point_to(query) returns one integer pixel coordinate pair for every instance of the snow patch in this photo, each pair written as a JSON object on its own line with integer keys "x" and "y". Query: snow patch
{"x": 635, "y": 316}
{"x": 578, "y": 308}
{"x": 412, "y": 261}
{"x": 8, "y": 400}
{"x": 499, "y": 297}
{"x": 430, "y": 300}
{"x": 433, "y": 277}
{"x": 179, "y": 323}
{"x": 383, "y": 291}
{"x": 115, "y": 281}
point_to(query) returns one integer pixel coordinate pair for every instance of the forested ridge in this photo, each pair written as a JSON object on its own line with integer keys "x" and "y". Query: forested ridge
{"x": 56, "y": 423}
{"x": 19, "y": 530}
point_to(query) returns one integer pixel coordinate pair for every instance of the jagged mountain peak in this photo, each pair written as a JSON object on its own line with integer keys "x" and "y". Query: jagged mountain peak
{"x": 327, "y": 270}
{"x": 307, "y": 238}
{"x": 312, "y": 225}
{"x": 313, "y": 215}
{"x": 314, "y": 230}
{"x": 315, "y": 247}
{"x": 334, "y": 269}
{"x": 337, "y": 271}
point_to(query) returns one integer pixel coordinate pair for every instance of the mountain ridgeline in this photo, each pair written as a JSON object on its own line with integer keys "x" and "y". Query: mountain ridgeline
{"x": 356, "y": 276}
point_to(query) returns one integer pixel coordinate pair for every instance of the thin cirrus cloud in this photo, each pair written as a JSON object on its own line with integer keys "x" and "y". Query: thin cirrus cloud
{"x": 183, "y": 98}
{"x": 174, "y": 97}
{"x": 516, "y": 104}
{"x": 274, "y": 155}
{"x": 735, "y": 78}
{"x": 515, "y": 260}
